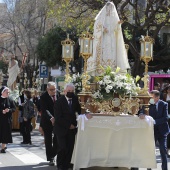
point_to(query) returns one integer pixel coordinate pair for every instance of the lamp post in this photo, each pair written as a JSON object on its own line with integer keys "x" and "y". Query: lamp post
{"x": 67, "y": 54}
{"x": 146, "y": 56}
{"x": 86, "y": 50}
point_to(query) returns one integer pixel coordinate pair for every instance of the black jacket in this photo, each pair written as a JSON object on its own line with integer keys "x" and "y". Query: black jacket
{"x": 46, "y": 103}
{"x": 63, "y": 117}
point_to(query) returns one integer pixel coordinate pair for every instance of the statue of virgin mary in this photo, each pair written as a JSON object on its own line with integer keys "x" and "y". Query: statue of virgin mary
{"x": 108, "y": 45}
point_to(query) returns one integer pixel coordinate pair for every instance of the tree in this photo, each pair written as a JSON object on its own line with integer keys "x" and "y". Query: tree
{"x": 139, "y": 16}
{"x": 49, "y": 48}
{"x": 24, "y": 21}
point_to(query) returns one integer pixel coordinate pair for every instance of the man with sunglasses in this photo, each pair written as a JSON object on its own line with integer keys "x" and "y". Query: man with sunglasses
{"x": 47, "y": 121}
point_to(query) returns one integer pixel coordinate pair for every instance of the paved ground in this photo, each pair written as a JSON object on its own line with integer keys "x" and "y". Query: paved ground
{"x": 27, "y": 157}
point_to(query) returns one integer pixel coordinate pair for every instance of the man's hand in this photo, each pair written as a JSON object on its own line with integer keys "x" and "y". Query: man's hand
{"x": 6, "y": 110}
{"x": 3, "y": 111}
{"x": 25, "y": 119}
{"x": 142, "y": 116}
{"x": 72, "y": 127}
{"x": 89, "y": 116}
{"x": 52, "y": 120}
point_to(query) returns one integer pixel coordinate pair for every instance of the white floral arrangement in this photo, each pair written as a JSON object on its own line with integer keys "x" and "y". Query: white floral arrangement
{"x": 114, "y": 82}
{"x": 76, "y": 79}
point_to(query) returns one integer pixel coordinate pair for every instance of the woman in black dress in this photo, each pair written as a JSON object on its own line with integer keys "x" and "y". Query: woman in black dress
{"x": 7, "y": 107}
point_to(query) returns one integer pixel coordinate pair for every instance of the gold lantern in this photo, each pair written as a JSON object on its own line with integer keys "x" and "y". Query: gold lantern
{"x": 86, "y": 50}
{"x": 67, "y": 54}
{"x": 146, "y": 56}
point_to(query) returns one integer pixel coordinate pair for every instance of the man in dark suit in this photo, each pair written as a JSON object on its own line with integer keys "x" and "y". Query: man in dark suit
{"x": 158, "y": 110}
{"x": 47, "y": 121}
{"x": 65, "y": 126}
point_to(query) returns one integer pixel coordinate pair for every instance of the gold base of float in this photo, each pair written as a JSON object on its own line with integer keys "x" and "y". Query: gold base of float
{"x": 115, "y": 106}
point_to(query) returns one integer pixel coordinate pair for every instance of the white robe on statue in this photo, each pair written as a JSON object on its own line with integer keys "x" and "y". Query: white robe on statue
{"x": 13, "y": 73}
{"x": 108, "y": 45}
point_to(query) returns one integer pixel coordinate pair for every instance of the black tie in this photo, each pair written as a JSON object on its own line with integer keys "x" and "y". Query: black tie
{"x": 53, "y": 97}
{"x": 70, "y": 105}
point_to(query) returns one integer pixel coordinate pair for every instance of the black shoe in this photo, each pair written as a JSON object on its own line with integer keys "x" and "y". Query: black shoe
{"x": 24, "y": 142}
{"x": 5, "y": 148}
{"x": 3, "y": 151}
{"x": 51, "y": 163}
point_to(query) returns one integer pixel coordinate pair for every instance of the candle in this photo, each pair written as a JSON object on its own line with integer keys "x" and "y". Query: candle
{"x": 86, "y": 50}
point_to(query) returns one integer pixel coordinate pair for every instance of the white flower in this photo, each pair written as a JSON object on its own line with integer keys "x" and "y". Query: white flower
{"x": 109, "y": 87}
{"x": 107, "y": 91}
{"x": 100, "y": 82}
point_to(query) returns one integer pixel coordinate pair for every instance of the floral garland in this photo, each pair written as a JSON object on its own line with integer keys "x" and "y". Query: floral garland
{"x": 114, "y": 82}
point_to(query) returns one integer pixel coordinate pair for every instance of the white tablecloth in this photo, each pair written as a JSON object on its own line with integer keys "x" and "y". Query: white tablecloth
{"x": 108, "y": 141}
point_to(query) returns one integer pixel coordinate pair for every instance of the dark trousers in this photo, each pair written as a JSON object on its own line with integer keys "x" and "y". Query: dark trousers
{"x": 26, "y": 131}
{"x": 168, "y": 137}
{"x": 50, "y": 144}
{"x": 66, "y": 145}
{"x": 163, "y": 149}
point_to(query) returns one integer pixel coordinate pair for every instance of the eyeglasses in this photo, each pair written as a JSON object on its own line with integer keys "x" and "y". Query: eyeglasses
{"x": 52, "y": 89}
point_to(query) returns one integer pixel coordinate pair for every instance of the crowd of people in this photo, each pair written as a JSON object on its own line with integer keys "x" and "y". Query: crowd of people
{"x": 58, "y": 120}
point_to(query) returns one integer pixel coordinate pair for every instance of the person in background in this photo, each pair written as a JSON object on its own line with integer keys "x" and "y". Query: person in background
{"x": 28, "y": 114}
{"x": 7, "y": 107}
{"x": 65, "y": 126}
{"x": 36, "y": 99}
{"x": 157, "y": 86}
{"x": 47, "y": 121}
{"x": 21, "y": 101}
{"x": 158, "y": 110}
{"x": 166, "y": 98}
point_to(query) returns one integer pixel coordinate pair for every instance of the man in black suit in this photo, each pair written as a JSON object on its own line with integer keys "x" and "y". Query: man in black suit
{"x": 47, "y": 121}
{"x": 65, "y": 126}
{"x": 158, "y": 110}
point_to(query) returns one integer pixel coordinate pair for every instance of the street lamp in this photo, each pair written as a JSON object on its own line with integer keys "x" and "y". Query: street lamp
{"x": 67, "y": 54}
{"x": 86, "y": 50}
{"x": 146, "y": 56}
